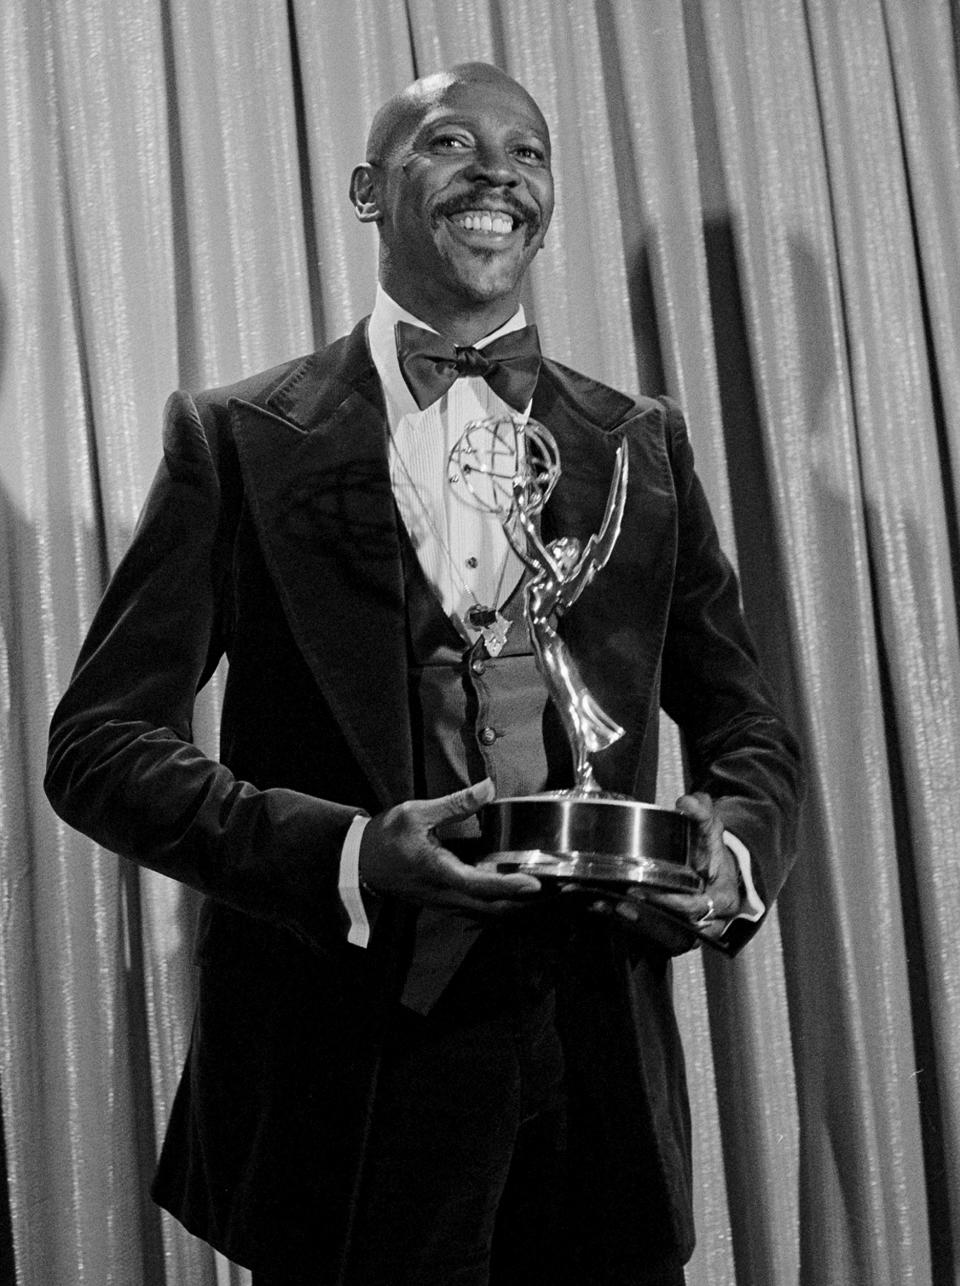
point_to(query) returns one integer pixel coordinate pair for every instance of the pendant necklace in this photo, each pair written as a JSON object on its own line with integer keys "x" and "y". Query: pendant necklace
{"x": 492, "y": 625}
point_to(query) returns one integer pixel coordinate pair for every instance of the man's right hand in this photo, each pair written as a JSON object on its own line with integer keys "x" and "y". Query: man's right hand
{"x": 401, "y": 857}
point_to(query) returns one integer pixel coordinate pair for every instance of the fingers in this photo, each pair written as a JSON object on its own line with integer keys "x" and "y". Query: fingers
{"x": 696, "y": 805}
{"x": 462, "y": 803}
{"x": 669, "y": 932}
{"x": 401, "y": 856}
{"x": 708, "y": 910}
{"x": 718, "y": 901}
{"x": 708, "y": 851}
{"x": 482, "y": 886}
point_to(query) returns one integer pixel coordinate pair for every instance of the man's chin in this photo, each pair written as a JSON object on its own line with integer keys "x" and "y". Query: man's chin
{"x": 490, "y": 271}
{"x": 487, "y": 278}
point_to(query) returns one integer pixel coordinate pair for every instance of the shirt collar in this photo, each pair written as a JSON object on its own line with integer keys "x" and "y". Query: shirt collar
{"x": 383, "y": 348}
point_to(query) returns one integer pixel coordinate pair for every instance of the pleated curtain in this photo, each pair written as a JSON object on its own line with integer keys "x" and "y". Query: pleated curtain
{"x": 759, "y": 214}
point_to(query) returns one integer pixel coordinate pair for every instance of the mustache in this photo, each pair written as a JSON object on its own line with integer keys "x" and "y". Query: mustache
{"x": 523, "y": 215}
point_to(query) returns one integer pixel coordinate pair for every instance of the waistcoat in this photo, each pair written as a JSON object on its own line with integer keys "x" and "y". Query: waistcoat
{"x": 473, "y": 716}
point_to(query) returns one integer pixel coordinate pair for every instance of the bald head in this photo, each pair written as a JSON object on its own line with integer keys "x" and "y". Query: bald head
{"x": 399, "y": 115}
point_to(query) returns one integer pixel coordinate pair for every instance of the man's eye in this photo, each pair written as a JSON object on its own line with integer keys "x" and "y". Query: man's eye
{"x": 448, "y": 142}
{"x": 531, "y": 155}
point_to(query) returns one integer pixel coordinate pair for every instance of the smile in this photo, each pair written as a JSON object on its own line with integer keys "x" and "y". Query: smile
{"x": 490, "y": 222}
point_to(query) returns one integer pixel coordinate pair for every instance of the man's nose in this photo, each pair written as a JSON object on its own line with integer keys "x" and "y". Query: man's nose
{"x": 494, "y": 165}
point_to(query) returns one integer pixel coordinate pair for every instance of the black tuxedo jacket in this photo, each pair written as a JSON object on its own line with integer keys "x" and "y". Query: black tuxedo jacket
{"x": 271, "y": 535}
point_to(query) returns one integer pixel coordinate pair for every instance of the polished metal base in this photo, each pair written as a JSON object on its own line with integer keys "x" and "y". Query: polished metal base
{"x": 594, "y": 839}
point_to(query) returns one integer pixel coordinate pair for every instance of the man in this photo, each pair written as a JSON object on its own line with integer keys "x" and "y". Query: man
{"x": 405, "y": 1069}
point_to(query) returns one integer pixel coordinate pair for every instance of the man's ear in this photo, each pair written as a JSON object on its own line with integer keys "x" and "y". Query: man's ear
{"x": 363, "y": 194}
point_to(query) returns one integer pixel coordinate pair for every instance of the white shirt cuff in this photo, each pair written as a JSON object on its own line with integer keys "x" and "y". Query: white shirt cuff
{"x": 754, "y": 907}
{"x": 348, "y": 884}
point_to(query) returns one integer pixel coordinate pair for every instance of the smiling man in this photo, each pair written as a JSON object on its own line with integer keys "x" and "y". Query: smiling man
{"x": 404, "y": 1070}
{"x": 458, "y": 181}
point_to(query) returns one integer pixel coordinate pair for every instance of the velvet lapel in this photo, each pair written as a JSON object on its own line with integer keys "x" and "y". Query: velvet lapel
{"x": 317, "y": 480}
{"x": 587, "y": 419}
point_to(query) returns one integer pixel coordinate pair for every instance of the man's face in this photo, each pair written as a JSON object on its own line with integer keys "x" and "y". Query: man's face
{"x": 465, "y": 194}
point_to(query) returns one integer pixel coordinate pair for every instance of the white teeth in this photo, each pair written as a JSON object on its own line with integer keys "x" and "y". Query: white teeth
{"x": 485, "y": 221}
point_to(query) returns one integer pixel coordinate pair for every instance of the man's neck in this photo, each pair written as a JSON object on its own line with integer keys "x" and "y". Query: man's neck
{"x": 381, "y": 336}
{"x": 462, "y": 324}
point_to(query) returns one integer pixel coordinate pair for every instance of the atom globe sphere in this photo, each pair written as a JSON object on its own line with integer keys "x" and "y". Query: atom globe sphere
{"x": 501, "y": 461}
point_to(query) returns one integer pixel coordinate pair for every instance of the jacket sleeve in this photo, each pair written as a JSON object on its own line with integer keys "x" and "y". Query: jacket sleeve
{"x": 738, "y": 748}
{"x": 122, "y": 767}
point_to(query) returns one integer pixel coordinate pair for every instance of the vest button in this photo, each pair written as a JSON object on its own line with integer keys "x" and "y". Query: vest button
{"x": 478, "y": 665}
{"x": 487, "y": 736}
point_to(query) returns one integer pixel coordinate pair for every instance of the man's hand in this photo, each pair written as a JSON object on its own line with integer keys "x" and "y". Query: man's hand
{"x": 400, "y": 856}
{"x": 705, "y": 914}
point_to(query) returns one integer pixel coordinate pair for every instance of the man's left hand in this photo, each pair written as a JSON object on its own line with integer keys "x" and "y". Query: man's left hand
{"x": 706, "y": 913}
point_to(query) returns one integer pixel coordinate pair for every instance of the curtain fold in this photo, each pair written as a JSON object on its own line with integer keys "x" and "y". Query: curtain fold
{"x": 784, "y": 195}
{"x": 759, "y": 214}
{"x": 63, "y": 1031}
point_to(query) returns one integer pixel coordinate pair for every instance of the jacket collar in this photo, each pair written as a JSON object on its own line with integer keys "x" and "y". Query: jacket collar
{"x": 318, "y": 384}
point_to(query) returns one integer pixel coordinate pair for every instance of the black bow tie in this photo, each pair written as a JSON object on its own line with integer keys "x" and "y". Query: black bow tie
{"x": 430, "y": 364}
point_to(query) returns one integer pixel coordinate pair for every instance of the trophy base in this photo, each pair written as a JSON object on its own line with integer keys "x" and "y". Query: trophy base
{"x": 593, "y": 839}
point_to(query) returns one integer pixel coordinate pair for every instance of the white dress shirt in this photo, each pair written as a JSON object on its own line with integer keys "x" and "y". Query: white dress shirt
{"x": 462, "y": 550}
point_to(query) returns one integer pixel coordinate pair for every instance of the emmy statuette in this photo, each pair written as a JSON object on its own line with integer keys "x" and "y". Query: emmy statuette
{"x": 583, "y": 835}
